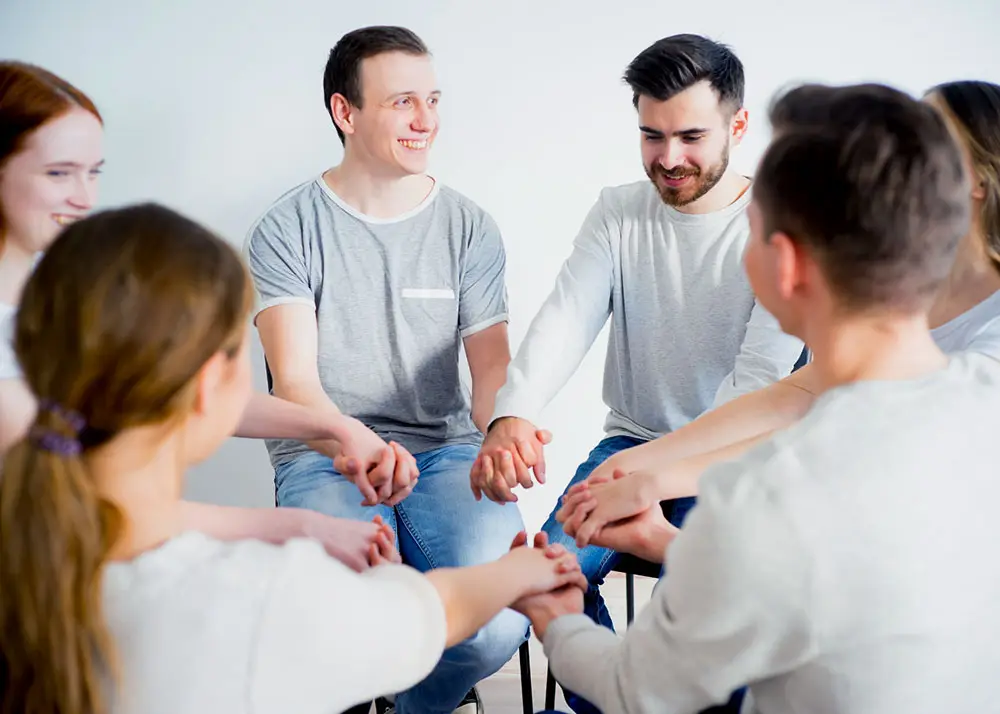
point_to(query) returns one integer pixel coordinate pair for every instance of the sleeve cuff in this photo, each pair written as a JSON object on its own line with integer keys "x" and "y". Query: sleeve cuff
{"x": 284, "y": 300}
{"x": 480, "y": 326}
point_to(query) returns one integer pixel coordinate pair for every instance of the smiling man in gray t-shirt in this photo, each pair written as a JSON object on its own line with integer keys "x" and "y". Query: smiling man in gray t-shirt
{"x": 371, "y": 279}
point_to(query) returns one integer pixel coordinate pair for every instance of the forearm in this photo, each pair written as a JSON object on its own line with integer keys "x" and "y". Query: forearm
{"x": 484, "y": 393}
{"x": 313, "y": 398}
{"x": 274, "y": 525}
{"x": 728, "y": 426}
{"x": 680, "y": 478}
{"x": 268, "y": 417}
{"x": 17, "y": 411}
{"x": 473, "y": 596}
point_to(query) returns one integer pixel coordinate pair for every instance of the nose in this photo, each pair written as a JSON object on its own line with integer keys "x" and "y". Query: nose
{"x": 84, "y": 192}
{"x": 673, "y": 155}
{"x": 424, "y": 118}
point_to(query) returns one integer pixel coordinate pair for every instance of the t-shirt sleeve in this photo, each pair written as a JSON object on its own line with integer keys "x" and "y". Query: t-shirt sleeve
{"x": 330, "y": 638}
{"x": 277, "y": 257}
{"x": 483, "y": 293}
{"x": 9, "y": 368}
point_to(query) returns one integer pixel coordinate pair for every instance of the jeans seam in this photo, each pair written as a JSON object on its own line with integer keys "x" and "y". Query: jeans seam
{"x": 417, "y": 538}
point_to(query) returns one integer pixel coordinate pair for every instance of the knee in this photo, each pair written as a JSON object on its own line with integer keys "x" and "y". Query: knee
{"x": 491, "y": 648}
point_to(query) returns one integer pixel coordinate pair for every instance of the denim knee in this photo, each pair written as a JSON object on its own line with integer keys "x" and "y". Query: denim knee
{"x": 493, "y": 646}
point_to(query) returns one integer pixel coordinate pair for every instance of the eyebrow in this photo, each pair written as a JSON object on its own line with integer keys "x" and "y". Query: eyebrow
{"x": 73, "y": 164}
{"x": 682, "y": 133}
{"x": 412, "y": 93}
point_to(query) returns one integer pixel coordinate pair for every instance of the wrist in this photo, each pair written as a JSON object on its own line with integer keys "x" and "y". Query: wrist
{"x": 653, "y": 543}
{"x": 544, "y": 614}
{"x": 498, "y": 421}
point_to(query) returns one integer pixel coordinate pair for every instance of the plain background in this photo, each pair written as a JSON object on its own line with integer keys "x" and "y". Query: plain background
{"x": 215, "y": 108}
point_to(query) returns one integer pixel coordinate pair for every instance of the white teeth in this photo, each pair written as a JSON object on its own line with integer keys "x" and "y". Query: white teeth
{"x": 413, "y": 144}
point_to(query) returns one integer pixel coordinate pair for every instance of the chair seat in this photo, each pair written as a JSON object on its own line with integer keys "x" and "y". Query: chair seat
{"x": 634, "y": 565}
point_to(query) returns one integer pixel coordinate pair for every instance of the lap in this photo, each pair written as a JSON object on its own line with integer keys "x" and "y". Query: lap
{"x": 450, "y": 527}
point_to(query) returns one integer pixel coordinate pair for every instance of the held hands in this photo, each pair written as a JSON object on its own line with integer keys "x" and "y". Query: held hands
{"x": 356, "y": 544}
{"x": 542, "y": 605}
{"x": 607, "y": 496}
{"x": 384, "y": 473}
{"x": 383, "y": 550}
{"x": 512, "y": 449}
{"x": 591, "y": 514}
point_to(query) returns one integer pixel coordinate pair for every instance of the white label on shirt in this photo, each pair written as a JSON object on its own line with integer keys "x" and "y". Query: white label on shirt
{"x": 429, "y": 293}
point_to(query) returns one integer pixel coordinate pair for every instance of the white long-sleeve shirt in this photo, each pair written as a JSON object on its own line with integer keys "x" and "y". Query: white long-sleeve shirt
{"x": 686, "y": 331}
{"x": 846, "y": 566}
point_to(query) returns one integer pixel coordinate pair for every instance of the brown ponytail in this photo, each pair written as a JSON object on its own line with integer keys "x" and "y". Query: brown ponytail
{"x": 114, "y": 325}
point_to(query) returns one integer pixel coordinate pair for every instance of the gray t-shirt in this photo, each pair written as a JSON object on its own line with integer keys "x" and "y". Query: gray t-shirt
{"x": 393, "y": 300}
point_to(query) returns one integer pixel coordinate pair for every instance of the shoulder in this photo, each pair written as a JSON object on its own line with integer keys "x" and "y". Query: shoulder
{"x": 291, "y": 208}
{"x": 453, "y": 202}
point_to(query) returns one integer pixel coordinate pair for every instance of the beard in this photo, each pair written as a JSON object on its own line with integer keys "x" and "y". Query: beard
{"x": 704, "y": 181}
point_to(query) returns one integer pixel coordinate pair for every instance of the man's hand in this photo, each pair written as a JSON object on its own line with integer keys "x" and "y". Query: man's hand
{"x": 384, "y": 473}
{"x": 542, "y": 608}
{"x": 605, "y": 498}
{"x": 513, "y": 447}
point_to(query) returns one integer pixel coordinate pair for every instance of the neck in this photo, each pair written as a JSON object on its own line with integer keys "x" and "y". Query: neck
{"x": 374, "y": 194}
{"x": 873, "y": 347}
{"x": 15, "y": 267}
{"x": 141, "y": 472}
{"x": 726, "y": 192}
{"x": 973, "y": 278}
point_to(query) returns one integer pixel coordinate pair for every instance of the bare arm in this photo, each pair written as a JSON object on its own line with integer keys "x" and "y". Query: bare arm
{"x": 268, "y": 417}
{"x": 17, "y": 411}
{"x": 383, "y": 473}
{"x": 472, "y": 596}
{"x": 488, "y": 352}
{"x": 671, "y": 466}
{"x": 289, "y": 336}
{"x": 724, "y": 429}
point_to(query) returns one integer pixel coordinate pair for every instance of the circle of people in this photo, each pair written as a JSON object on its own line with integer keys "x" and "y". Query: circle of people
{"x": 797, "y": 366}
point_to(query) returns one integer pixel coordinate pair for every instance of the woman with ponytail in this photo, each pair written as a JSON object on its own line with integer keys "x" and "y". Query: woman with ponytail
{"x": 132, "y": 330}
{"x": 50, "y": 158}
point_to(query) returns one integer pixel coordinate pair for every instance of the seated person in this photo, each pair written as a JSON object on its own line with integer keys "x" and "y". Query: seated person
{"x": 109, "y": 606}
{"x": 822, "y": 568}
{"x": 965, "y": 315}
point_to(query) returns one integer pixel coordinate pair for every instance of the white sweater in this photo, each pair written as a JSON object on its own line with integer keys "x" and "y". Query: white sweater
{"x": 686, "y": 332}
{"x": 847, "y": 566}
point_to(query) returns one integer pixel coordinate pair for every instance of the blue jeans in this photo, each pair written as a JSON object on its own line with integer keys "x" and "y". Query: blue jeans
{"x": 439, "y": 525}
{"x": 596, "y": 562}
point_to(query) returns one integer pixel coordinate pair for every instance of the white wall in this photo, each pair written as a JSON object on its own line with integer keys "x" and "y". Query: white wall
{"x": 215, "y": 107}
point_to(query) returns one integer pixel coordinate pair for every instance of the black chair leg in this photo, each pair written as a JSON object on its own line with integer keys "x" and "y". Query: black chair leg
{"x": 550, "y": 689}
{"x": 525, "y": 660}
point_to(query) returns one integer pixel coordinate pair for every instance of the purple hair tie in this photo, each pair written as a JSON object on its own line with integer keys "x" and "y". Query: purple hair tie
{"x": 50, "y": 440}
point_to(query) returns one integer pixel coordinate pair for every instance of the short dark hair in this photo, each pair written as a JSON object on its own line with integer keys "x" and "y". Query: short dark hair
{"x": 872, "y": 183}
{"x": 343, "y": 67}
{"x": 675, "y": 63}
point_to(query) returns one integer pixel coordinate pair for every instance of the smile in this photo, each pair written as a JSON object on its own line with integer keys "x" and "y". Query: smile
{"x": 413, "y": 144}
